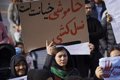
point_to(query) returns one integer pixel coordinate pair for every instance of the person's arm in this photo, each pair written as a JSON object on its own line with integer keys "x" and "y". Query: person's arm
{"x": 98, "y": 32}
{"x": 50, "y": 53}
{"x": 48, "y": 62}
{"x": 10, "y": 14}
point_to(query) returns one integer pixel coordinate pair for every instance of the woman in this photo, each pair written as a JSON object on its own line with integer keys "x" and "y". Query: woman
{"x": 59, "y": 62}
{"x": 18, "y": 66}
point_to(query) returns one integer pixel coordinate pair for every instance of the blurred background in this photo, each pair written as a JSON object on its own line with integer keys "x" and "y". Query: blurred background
{"x": 3, "y": 9}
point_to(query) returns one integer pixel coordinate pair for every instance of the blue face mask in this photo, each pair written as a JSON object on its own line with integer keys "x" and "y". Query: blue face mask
{"x": 18, "y": 50}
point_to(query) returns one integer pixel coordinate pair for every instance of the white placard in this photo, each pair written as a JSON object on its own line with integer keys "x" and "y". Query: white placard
{"x": 111, "y": 68}
{"x": 79, "y": 49}
{"x": 19, "y": 78}
{"x": 113, "y": 9}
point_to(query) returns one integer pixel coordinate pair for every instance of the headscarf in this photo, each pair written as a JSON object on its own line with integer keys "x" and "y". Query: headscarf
{"x": 14, "y": 61}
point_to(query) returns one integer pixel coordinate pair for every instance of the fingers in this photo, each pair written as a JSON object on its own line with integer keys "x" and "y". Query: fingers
{"x": 99, "y": 72}
{"x": 46, "y": 43}
{"x": 49, "y": 44}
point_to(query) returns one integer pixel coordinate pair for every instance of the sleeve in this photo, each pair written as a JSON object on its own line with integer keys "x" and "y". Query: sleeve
{"x": 98, "y": 32}
{"x": 10, "y": 14}
{"x": 48, "y": 62}
{"x": 30, "y": 62}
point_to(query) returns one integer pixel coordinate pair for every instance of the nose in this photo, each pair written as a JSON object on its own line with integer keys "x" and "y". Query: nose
{"x": 21, "y": 67}
{"x": 62, "y": 58}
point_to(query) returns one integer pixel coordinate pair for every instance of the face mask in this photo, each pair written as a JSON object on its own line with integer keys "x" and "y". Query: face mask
{"x": 18, "y": 50}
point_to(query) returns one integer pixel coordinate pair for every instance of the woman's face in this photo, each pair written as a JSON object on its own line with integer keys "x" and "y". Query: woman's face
{"x": 61, "y": 58}
{"x": 20, "y": 68}
{"x": 115, "y": 53}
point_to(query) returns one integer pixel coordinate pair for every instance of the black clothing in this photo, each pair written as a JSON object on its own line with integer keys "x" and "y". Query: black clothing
{"x": 36, "y": 74}
{"x": 94, "y": 10}
{"x": 15, "y": 60}
{"x": 6, "y": 52}
{"x": 86, "y": 62}
{"x": 95, "y": 30}
{"x": 109, "y": 38}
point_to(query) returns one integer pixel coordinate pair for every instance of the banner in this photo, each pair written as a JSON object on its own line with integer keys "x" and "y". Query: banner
{"x": 58, "y": 20}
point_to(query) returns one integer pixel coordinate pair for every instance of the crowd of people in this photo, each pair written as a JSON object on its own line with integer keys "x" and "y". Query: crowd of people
{"x": 59, "y": 64}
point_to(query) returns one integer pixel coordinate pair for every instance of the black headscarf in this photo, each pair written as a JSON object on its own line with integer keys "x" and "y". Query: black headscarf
{"x": 15, "y": 60}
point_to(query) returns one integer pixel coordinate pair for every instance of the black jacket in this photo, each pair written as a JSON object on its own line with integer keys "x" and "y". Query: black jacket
{"x": 95, "y": 31}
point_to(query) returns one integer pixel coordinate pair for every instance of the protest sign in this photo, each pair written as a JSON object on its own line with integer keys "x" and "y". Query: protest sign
{"x": 53, "y": 20}
{"x": 111, "y": 68}
{"x": 113, "y": 9}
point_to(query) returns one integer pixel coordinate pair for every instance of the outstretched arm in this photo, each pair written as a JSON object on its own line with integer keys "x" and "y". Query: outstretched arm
{"x": 50, "y": 47}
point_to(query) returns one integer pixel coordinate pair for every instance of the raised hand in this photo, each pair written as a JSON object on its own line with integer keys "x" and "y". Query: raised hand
{"x": 51, "y": 48}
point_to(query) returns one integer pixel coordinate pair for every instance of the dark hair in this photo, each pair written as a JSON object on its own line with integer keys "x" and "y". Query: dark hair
{"x": 114, "y": 47}
{"x": 19, "y": 43}
{"x": 70, "y": 60}
{"x": 87, "y": 2}
{"x": 35, "y": 74}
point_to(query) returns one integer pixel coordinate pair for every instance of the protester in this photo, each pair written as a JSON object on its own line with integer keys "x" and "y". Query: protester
{"x": 109, "y": 38}
{"x": 59, "y": 62}
{"x": 114, "y": 51}
{"x": 18, "y": 66}
{"x": 95, "y": 30}
{"x": 98, "y": 7}
{"x": 36, "y": 74}
{"x": 21, "y": 51}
